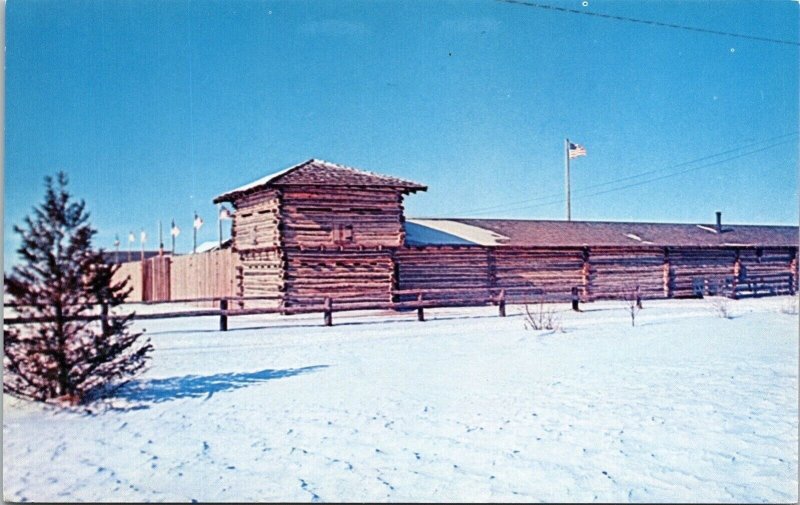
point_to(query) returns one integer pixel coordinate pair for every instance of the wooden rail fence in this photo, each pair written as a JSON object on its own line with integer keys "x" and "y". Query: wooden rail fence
{"x": 327, "y": 306}
{"x": 402, "y": 300}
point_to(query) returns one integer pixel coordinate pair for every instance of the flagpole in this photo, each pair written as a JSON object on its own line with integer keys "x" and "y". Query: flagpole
{"x": 194, "y": 233}
{"x": 219, "y": 221}
{"x": 160, "y": 239}
{"x": 172, "y": 232}
{"x": 566, "y": 177}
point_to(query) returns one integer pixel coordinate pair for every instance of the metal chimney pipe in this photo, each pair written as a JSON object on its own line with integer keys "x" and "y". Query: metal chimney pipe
{"x": 719, "y": 222}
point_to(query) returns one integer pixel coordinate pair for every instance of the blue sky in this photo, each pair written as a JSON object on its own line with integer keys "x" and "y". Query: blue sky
{"x": 155, "y": 107}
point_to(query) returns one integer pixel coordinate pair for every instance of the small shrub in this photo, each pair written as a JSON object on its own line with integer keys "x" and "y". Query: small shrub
{"x": 543, "y": 318}
{"x": 791, "y": 307}
{"x": 720, "y": 305}
{"x": 632, "y": 300}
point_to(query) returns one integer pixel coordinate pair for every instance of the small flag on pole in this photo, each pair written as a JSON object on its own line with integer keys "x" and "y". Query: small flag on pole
{"x": 198, "y": 222}
{"x": 174, "y": 231}
{"x": 224, "y": 214}
{"x": 576, "y": 150}
{"x": 131, "y": 237}
{"x": 143, "y": 237}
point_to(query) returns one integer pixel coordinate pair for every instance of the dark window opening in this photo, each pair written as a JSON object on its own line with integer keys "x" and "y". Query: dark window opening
{"x": 343, "y": 233}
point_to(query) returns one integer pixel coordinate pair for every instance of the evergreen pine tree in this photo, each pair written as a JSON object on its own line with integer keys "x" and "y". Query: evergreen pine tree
{"x": 61, "y": 280}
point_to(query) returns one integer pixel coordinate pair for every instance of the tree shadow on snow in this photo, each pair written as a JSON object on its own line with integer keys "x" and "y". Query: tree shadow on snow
{"x": 196, "y": 386}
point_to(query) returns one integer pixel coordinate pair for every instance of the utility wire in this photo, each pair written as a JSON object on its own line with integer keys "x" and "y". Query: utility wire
{"x": 500, "y": 207}
{"x": 650, "y": 22}
{"x": 654, "y": 179}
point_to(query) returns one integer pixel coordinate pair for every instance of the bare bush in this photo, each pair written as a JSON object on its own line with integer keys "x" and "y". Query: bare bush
{"x": 791, "y": 307}
{"x": 632, "y": 299}
{"x": 721, "y": 302}
{"x": 720, "y": 305}
{"x": 542, "y": 318}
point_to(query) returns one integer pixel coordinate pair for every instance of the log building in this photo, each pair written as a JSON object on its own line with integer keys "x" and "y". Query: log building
{"x": 319, "y": 229}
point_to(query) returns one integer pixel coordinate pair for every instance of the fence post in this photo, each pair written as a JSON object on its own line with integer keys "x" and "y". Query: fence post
{"x": 328, "y": 308}
{"x": 501, "y": 303}
{"x": 575, "y": 299}
{"x": 638, "y": 298}
{"x": 104, "y": 318}
{"x": 420, "y": 312}
{"x": 223, "y": 317}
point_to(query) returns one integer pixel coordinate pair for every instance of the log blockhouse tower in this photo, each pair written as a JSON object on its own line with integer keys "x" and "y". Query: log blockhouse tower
{"x": 319, "y": 229}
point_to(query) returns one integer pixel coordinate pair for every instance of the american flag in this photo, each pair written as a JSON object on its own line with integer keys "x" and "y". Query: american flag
{"x": 576, "y": 150}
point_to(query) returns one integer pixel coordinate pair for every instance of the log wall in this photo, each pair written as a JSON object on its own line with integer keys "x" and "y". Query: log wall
{"x": 256, "y": 223}
{"x": 303, "y": 244}
{"x": 261, "y": 273}
{"x": 258, "y": 243}
{"x": 602, "y": 272}
{"x": 768, "y": 269}
{"x": 554, "y": 271}
{"x": 706, "y": 269}
{"x": 615, "y": 272}
{"x": 363, "y": 276}
{"x": 350, "y": 217}
{"x": 443, "y": 267}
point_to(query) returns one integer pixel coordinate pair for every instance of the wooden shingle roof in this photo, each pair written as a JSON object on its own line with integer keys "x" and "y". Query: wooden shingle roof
{"x": 316, "y": 172}
{"x": 514, "y": 232}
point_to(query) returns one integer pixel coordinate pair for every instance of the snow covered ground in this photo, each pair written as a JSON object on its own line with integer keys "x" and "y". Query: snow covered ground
{"x": 466, "y": 406}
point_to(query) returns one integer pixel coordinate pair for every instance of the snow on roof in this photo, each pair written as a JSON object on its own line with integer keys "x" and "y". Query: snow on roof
{"x": 315, "y": 172}
{"x": 446, "y": 232}
{"x": 260, "y": 182}
{"x": 212, "y": 245}
{"x": 707, "y": 228}
{"x": 207, "y": 246}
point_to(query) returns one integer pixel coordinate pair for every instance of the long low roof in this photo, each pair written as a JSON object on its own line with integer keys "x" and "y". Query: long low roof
{"x": 513, "y": 232}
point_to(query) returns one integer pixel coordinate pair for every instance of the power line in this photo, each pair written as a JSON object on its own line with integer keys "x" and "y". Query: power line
{"x": 674, "y": 174}
{"x": 650, "y": 22}
{"x": 500, "y": 207}
{"x": 654, "y": 179}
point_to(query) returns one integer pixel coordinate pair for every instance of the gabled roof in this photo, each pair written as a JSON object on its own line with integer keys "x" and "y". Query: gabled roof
{"x": 316, "y": 172}
{"x": 513, "y": 232}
